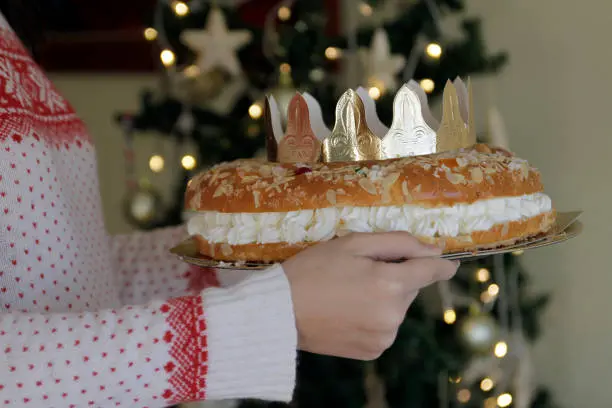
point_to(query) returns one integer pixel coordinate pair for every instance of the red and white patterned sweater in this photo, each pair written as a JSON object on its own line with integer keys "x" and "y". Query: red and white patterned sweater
{"x": 87, "y": 319}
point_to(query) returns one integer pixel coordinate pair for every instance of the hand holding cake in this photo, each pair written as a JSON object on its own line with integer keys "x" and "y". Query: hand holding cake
{"x": 328, "y": 283}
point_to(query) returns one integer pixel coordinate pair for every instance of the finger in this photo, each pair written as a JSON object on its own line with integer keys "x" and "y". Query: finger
{"x": 418, "y": 273}
{"x": 387, "y": 246}
{"x": 409, "y": 298}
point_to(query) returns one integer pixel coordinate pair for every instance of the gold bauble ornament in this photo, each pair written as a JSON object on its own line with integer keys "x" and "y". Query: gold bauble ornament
{"x": 143, "y": 206}
{"x": 197, "y": 88}
{"x": 478, "y": 332}
{"x": 283, "y": 92}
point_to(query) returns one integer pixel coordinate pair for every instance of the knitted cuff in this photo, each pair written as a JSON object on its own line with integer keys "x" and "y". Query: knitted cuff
{"x": 252, "y": 338}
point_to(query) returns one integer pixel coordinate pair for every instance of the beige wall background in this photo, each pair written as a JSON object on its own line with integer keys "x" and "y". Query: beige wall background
{"x": 556, "y": 99}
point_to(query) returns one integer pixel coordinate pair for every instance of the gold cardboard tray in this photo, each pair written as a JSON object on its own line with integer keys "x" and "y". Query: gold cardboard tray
{"x": 566, "y": 227}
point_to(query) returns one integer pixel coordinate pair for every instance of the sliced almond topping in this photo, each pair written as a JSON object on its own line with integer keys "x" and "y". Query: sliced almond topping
{"x": 405, "y": 192}
{"x": 455, "y": 178}
{"x": 219, "y": 191}
{"x": 418, "y": 188}
{"x": 215, "y": 175}
{"x": 265, "y": 171}
{"x": 490, "y": 170}
{"x": 195, "y": 200}
{"x": 340, "y": 191}
{"x": 226, "y": 249}
{"x": 465, "y": 239}
{"x": 477, "y": 175}
{"x": 331, "y": 197}
{"x": 524, "y": 170}
{"x": 389, "y": 180}
{"x": 461, "y": 162}
{"x": 256, "y": 196}
{"x": 278, "y": 171}
{"x": 505, "y": 229}
{"x": 367, "y": 185}
{"x": 249, "y": 179}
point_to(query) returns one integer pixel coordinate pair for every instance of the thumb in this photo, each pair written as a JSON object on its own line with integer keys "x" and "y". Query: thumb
{"x": 389, "y": 246}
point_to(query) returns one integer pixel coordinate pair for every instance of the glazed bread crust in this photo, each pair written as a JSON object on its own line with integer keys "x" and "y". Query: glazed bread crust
{"x": 500, "y": 235}
{"x": 438, "y": 180}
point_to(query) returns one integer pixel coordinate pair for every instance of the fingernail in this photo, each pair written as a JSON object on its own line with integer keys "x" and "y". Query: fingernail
{"x": 430, "y": 245}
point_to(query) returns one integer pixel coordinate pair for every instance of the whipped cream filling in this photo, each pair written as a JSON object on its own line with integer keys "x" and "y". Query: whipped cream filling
{"x": 324, "y": 224}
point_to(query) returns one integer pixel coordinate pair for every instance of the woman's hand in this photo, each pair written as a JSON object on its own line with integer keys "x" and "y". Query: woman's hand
{"x": 348, "y": 302}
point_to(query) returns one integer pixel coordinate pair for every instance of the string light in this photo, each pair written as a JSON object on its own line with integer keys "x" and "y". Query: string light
{"x": 156, "y": 163}
{"x": 255, "y": 111}
{"x": 493, "y": 289}
{"x": 464, "y": 395}
{"x": 192, "y": 71}
{"x": 285, "y": 68}
{"x": 434, "y": 50}
{"x": 375, "y": 92}
{"x": 167, "y": 57}
{"x": 428, "y": 85}
{"x": 181, "y": 9}
{"x": 188, "y": 162}
{"x": 332, "y": 53}
{"x": 504, "y": 400}
{"x": 150, "y": 34}
{"x": 501, "y": 349}
{"x": 450, "y": 316}
{"x": 365, "y": 9}
{"x": 518, "y": 253}
{"x": 482, "y": 275}
{"x": 490, "y": 294}
{"x": 486, "y": 384}
{"x": 284, "y": 13}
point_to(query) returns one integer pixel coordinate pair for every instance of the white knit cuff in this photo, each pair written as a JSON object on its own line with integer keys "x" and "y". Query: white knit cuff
{"x": 252, "y": 338}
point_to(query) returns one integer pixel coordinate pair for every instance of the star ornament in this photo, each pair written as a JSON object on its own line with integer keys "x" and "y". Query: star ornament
{"x": 381, "y": 67}
{"x": 216, "y": 45}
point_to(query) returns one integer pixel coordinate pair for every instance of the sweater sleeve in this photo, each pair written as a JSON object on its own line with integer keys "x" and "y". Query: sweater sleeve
{"x": 238, "y": 342}
{"x": 147, "y": 270}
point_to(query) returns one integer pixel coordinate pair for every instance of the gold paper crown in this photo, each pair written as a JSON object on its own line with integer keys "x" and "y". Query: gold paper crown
{"x": 358, "y": 133}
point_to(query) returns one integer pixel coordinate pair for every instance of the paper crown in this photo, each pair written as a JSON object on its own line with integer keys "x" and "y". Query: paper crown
{"x": 358, "y": 134}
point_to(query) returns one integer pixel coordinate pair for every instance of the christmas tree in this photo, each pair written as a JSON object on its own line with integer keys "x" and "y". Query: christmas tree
{"x": 464, "y": 342}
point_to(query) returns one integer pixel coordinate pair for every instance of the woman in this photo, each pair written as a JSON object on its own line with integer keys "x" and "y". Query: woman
{"x": 88, "y": 319}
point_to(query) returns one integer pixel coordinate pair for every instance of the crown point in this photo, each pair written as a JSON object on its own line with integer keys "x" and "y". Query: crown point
{"x": 299, "y": 144}
{"x": 351, "y": 139}
{"x": 452, "y": 132}
{"x": 409, "y": 134}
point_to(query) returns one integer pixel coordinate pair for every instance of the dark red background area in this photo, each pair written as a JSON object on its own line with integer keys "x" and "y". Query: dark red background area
{"x": 107, "y": 36}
